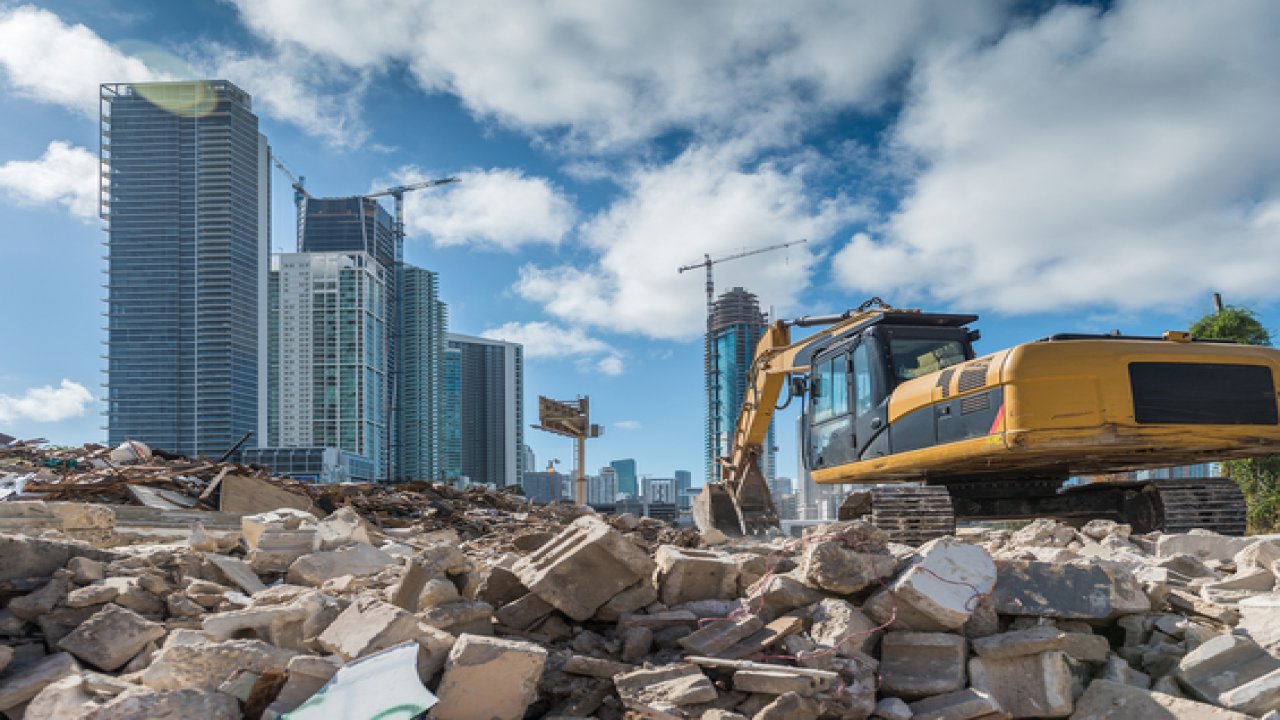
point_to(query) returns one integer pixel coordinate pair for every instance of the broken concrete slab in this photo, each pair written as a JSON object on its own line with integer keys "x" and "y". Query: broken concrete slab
{"x": 640, "y": 595}
{"x": 111, "y": 637}
{"x": 141, "y": 703}
{"x": 315, "y": 568}
{"x": 846, "y": 557}
{"x": 508, "y": 670}
{"x": 190, "y": 662}
{"x": 1031, "y": 641}
{"x": 916, "y": 665}
{"x": 1106, "y": 700}
{"x": 31, "y": 606}
{"x": 367, "y": 626}
{"x": 967, "y": 704}
{"x": 464, "y": 616}
{"x": 237, "y": 572}
{"x": 719, "y": 635}
{"x": 1026, "y": 686}
{"x": 1203, "y": 544}
{"x": 588, "y": 548}
{"x": 686, "y": 575}
{"x": 779, "y": 682}
{"x": 669, "y": 686}
{"x": 523, "y": 613}
{"x": 945, "y": 580}
{"x": 1223, "y": 664}
{"x": 20, "y": 686}
{"x": 343, "y": 527}
{"x": 1026, "y": 587}
{"x": 837, "y": 623}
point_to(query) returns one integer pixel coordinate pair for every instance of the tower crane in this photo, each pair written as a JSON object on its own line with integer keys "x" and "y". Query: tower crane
{"x": 708, "y": 261}
{"x": 397, "y": 192}
{"x": 710, "y": 352}
{"x": 300, "y": 194}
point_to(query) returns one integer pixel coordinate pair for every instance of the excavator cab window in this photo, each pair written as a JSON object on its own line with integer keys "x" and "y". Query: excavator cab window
{"x": 830, "y": 411}
{"x": 915, "y": 357}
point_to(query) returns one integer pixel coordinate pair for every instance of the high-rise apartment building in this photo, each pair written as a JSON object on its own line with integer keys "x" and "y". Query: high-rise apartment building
{"x": 603, "y": 488}
{"x": 627, "y": 481}
{"x": 451, "y": 415}
{"x": 733, "y": 330}
{"x": 684, "y": 489}
{"x": 185, "y": 191}
{"x": 362, "y": 225}
{"x": 330, "y": 371}
{"x": 490, "y": 409}
{"x": 420, "y": 393}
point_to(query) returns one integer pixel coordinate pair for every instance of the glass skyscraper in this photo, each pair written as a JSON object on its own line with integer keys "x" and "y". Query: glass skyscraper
{"x": 451, "y": 414}
{"x": 330, "y": 371}
{"x": 421, "y": 398}
{"x": 490, "y": 409}
{"x": 627, "y": 481}
{"x": 735, "y": 326}
{"x": 185, "y": 191}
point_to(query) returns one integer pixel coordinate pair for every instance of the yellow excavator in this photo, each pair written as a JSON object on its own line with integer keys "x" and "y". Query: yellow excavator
{"x": 896, "y": 399}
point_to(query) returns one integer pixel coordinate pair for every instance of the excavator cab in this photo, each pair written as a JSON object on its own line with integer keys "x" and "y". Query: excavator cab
{"x": 850, "y": 381}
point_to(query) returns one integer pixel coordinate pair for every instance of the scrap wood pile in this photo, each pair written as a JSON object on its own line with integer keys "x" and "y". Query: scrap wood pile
{"x": 311, "y": 616}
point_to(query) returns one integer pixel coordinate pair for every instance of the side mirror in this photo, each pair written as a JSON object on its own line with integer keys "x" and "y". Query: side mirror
{"x": 799, "y": 385}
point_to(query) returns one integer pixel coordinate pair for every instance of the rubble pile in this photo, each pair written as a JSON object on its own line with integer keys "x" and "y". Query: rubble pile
{"x": 91, "y": 483}
{"x": 308, "y": 615}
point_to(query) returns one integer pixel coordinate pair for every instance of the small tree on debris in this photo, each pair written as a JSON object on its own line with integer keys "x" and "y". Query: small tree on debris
{"x": 1258, "y": 478}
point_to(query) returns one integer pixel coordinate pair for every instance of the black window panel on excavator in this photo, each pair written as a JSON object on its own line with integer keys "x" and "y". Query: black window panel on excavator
{"x": 1202, "y": 394}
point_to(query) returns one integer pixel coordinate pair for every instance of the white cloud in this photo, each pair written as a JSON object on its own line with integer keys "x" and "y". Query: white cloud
{"x": 628, "y": 425}
{"x": 703, "y": 202}
{"x": 495, "y": 208}
{"x": 296, "y": 87}
{"x": 46, "y": 404}
{"x": 64, "y": 174}
{"x": 617, "y": 73}
{"x": 543, "y": 340}
{"x": 1124, "y": 159}
{"x": 51, "y": 61}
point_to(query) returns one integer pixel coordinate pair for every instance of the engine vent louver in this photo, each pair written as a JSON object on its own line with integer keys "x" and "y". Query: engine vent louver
{"x": 975, "y": 403}
{"x": 944, "y": 381}
{"x": 972, "y": 378}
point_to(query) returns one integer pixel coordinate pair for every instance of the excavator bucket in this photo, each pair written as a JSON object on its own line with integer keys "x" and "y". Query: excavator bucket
{"x": 737, "y": 508}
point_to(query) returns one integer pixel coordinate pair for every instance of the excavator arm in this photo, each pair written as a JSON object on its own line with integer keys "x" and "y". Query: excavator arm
{"x": 740, "y": 502}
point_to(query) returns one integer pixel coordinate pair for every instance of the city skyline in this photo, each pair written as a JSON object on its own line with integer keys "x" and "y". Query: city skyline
{"x": 916, "y": 161}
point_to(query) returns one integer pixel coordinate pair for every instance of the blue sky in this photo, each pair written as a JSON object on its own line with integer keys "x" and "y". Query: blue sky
{"x": 1060, "y": 168}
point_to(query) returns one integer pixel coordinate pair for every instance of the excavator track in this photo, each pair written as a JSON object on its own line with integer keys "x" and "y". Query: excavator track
{"x": 912, "y": 514}
{"x": 1210, "y": 503}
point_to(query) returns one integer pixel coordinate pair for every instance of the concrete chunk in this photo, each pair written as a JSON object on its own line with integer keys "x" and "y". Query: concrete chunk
{"x": 367, "y": 626}
{"x": 1203, "y": 544}
{"x": 238, "y": 572}
{"x": 1053, "y": 590}
{"x": 670, "y": 685}
{"x": 490, "y": 678}
{"x": 111, "y": 637}
{"x": 1027, "y": 686}
{"x": 854, "y": 556}
{"x": 523, "y": 613}
{"x": 1222, "y": 664}
{"x": 21, "y": 686}
{"x": 837, "y": 623}
{"x": 718, "y": 635}
{"x": 141, "y": 703}
{"x": 189, "y": 662}
{"x": 583, "y": 567}
{"x": 966, "y": 704}
{"x": 1255, "y": 697}
{"x": 916, "y": 665}
{"x": 315, "y": 568}
{"x": 1021, "y": 642}
{"x": 1106, "y": 700}
{"x": 686, "y": 575}
{"x": 946, "y": 580}
{"x": 31, "y": 606}
{"x": 778, "y": 682}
